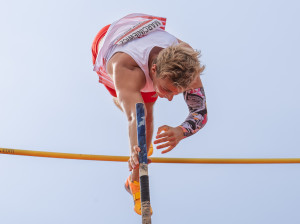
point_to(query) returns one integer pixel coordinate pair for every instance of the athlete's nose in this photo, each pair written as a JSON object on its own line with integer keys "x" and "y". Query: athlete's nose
{"x": 170, "y": 97}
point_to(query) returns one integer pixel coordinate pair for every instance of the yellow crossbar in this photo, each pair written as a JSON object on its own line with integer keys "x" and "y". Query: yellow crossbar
{"x": 153, "y": 159}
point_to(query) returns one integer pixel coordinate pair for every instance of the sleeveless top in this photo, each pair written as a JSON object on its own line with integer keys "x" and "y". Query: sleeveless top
{"x": 139, "y": 49}
{"x": 136, "y": 35}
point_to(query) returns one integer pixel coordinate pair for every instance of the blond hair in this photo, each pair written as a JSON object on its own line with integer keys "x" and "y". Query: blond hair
{"x": 179, "y": 63}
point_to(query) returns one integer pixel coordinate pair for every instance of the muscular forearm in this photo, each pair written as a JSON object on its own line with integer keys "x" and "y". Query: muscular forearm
{"x": 132, "y": 134}
{"x": 133, "y": 161}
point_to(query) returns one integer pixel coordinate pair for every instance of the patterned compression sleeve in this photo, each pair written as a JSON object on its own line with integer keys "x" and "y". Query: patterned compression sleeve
{"x": 195, "y": 99}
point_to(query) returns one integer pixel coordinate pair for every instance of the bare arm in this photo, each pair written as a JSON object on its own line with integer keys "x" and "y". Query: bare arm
{"x": 129, "y": 80}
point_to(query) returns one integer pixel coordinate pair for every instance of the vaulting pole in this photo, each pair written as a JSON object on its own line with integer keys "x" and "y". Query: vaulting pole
{"x": 143, "y": 163}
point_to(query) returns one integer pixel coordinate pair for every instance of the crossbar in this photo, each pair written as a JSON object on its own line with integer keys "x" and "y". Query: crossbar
{"x": 153, "y": 159}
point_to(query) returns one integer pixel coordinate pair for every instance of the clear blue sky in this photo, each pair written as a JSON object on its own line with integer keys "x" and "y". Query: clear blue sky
{"x": 50, "y": 100}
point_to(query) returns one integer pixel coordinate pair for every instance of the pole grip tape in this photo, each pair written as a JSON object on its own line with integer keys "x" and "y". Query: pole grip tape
{"x": 144, "y": 183}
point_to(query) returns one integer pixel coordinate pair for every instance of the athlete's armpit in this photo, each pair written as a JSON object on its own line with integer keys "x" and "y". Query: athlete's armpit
{"x": 195, "y": 99}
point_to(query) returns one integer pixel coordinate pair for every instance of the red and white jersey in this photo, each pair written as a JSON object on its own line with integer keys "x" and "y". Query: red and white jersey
{"x": 136, "y": 35}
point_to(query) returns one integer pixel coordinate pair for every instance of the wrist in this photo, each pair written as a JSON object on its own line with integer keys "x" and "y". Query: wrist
{"x": 181, "y": 131}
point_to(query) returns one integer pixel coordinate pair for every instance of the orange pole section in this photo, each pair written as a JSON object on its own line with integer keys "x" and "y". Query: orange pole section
{"x": 154, "y": 159}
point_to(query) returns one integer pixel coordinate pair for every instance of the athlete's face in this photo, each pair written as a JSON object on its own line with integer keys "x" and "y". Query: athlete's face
{"x": 164, "y": 87}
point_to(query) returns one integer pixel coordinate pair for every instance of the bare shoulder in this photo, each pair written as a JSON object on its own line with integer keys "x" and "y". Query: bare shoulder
{"x": 125, "y": 72}
{"x": 120, "y": 59}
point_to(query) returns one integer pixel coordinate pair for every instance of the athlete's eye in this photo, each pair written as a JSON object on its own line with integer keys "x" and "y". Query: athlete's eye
{"x": 166, "y": 90}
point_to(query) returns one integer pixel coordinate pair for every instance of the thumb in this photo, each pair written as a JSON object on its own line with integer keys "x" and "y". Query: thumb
{"x": 162, "y": 128}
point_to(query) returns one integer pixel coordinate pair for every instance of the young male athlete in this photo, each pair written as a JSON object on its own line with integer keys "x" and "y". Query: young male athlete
{"x": 137, "y": 61}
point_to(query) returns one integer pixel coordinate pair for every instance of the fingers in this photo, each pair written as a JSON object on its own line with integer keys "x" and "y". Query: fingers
{"x": 168, "y": 138}
{"x": 169, "y": 142}
{"x": 164, "y": 145}
{"x": 135, "y": 155}
{"x": 170, "y": 146}
{"x": 134, "y": 159}
{"x": 130, "y": 167}
{"x": 157, "y": 141}
{"x": 137, "y": 166}
{"x": 168, "y": 149}
{"x": 162, "y": 128}
{"x": 165, "y": 134}
{"x": 133, "y": 162}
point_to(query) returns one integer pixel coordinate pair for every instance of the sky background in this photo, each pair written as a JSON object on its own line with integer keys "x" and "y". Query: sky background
{"x": 50, "y": 100}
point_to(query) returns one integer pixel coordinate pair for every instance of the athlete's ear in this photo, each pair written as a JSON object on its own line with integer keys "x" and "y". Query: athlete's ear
{"x": 153, "y": 68}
